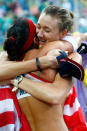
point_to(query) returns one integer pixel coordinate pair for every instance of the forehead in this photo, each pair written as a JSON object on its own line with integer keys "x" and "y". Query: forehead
{"x": 48, "y": 21}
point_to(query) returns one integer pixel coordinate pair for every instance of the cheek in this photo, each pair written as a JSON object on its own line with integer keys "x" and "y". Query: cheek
{"x": 54, "y": 37}
{"x": 49, "y": 37}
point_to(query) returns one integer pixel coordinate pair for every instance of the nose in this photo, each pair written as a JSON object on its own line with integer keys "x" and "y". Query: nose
{"x": 40, "y": 33}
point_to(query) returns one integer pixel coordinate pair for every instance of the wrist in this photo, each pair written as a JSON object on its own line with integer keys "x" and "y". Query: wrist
{"x": 45, "y": 62}
{"x": 16, "y": 81}
{"x": 48, "y": 62}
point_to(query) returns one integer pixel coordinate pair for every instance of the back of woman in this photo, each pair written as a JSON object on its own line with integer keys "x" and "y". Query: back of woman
{"x": 39, "y": 114}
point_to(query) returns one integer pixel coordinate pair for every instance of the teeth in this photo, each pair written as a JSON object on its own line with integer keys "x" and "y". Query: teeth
{"x": 42, "y": 40}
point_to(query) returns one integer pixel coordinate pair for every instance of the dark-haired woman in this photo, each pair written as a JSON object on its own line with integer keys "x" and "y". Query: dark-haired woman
{"x": 19, "y": 40}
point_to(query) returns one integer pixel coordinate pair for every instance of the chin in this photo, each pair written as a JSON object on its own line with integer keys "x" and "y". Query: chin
{"x": 41, "y": 45}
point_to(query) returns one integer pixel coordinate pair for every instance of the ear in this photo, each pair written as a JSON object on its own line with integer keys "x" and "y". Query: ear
{"x": 64, "y": 33}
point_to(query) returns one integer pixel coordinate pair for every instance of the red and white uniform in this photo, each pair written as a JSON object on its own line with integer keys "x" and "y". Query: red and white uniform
{"x": 73, "y": 114}
{"x": 12, "y": 119}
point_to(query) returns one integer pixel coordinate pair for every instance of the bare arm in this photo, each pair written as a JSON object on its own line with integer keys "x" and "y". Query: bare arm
{"x": 53, "y": 93}
{"x": 10, "y": 70}
{"x": 65, "y": 45}
{"x": 79, "y": 38}
{"x": 49, "y": 74}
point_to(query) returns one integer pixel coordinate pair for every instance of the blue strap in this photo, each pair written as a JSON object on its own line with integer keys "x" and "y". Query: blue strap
{"x": 61, "y": 56}
{"x": 38, "y": 66}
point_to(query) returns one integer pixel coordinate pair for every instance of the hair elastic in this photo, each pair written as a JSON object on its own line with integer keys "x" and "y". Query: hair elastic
{"x": 13, "y": 39}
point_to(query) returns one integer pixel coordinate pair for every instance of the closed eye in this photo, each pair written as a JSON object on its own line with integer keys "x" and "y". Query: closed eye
{"x": 38, "y": 26}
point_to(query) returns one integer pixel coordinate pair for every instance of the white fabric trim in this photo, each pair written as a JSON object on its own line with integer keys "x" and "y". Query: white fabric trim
{"x": 32, "y": 77}
{"x": 69, "y": 111}
{"x": 6, "y": 105}
{"x": 72, "y": 41}
{"x": 17, "y": 120}
{"x": 9, "y": 127}
{"x": 21, "y": 94}
{"x": 5, "y": 86}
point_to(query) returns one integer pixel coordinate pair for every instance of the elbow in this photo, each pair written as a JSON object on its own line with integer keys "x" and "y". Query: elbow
{"x": 51, "y": 98}
{"x": 54, "y": 100}
{"x": 57, "y": 101}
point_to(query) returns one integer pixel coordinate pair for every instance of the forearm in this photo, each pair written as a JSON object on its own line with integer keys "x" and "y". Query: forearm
{"x": 62, "y": 45}
{"x": 12, "y": 69}
{"x": 79, "y": 38}
{"x": 39, "y": 90}
{"x": 48, "y": 92}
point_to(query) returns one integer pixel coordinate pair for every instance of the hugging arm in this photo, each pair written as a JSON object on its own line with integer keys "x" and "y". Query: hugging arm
{"x": 12, "y": 69}
{"x": 69, "y": 43}
{"x": 52, "y": 93}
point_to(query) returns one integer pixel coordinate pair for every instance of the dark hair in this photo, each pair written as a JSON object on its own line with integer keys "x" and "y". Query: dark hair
{"x": 65, "y": 16}
{"x": 20, "y": 32}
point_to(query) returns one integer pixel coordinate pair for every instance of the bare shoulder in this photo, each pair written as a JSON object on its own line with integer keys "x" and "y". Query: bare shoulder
{"x": 62, "y": 45}
{"x": 31, "y": 54}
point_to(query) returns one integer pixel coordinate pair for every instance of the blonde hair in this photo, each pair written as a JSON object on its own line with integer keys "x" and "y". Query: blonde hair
{"x": 66, "y": 17}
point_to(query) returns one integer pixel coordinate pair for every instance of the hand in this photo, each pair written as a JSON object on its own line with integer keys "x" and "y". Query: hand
{"x": 54, "y": 53}
{"x": 52, "y": 57}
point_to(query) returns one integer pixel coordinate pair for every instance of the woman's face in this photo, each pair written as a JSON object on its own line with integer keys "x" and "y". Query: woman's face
{"x": 47, "y": 29}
